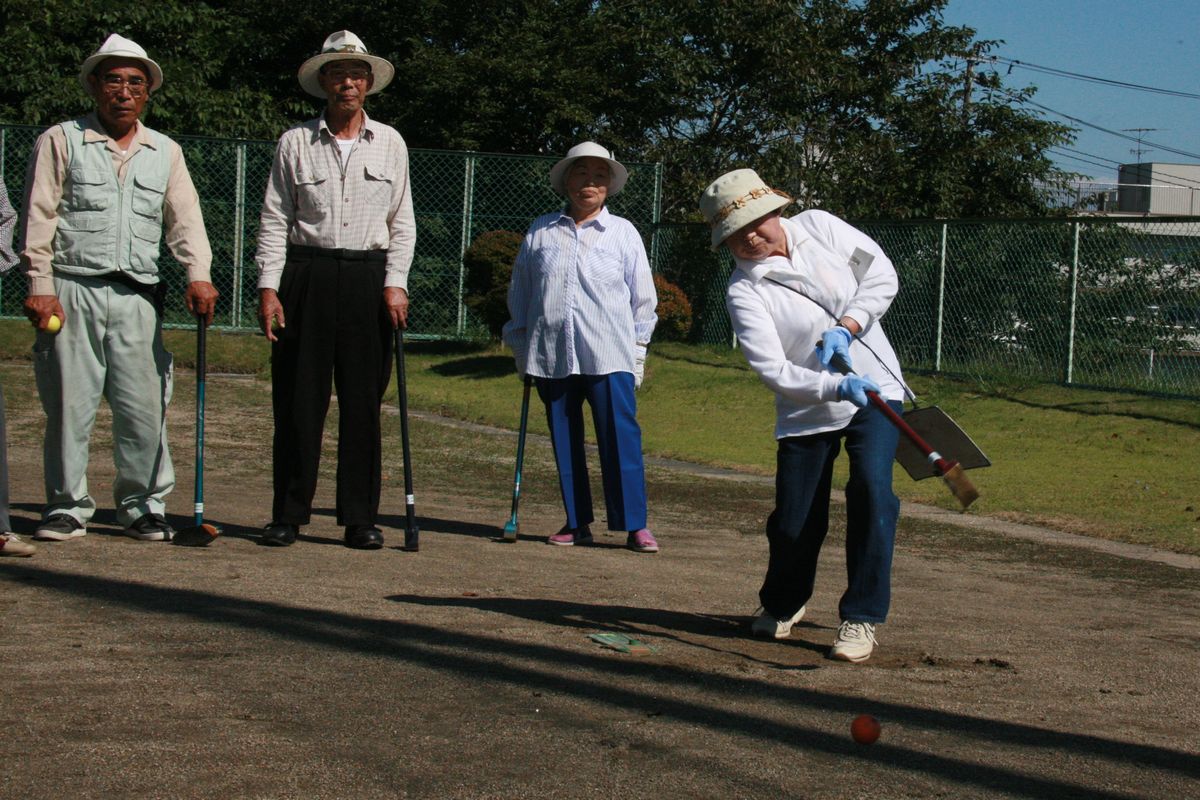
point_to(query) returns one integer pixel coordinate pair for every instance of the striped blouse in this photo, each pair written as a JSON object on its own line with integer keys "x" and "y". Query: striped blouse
{"x": 581, "y": 297}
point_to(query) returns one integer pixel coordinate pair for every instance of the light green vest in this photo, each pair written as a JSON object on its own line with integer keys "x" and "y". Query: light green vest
{"x": 104, "y": 226}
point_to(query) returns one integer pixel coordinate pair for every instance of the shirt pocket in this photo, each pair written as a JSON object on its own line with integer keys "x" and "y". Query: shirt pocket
{"x": 378, "y": 185}
{"x": 88, "y": 189}
{"x": 148, "y": 194}
{"x": 604, "y": 266}
{"x": 312, "y": 194}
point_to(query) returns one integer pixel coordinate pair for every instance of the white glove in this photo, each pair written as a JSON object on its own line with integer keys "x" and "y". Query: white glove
{"x": 639, "y": 365}
{"x": 519, "y": 358}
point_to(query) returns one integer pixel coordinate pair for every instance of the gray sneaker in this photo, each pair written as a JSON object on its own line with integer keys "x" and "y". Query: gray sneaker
{"x": 11, "y": 545}
{"x": 59, "y": 528}
{"x": 768, "y": 627}
{"x": 854, "y": 642}
{"x": 151, "y": 528}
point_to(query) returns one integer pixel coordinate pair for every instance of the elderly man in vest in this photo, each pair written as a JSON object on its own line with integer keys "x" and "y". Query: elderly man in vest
{"x": 99, "y": 192}
{"x": 335, "y": 243}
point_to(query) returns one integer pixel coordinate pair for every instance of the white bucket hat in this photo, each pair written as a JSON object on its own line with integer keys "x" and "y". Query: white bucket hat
{"x": 117, "y": 46}
{"x": 343, "y": 46}
{"x": 558, "y": 172}
{"x": 736, "y": 199}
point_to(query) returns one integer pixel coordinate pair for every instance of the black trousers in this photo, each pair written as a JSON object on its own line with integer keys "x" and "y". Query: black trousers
{"x": 337, "y": 329}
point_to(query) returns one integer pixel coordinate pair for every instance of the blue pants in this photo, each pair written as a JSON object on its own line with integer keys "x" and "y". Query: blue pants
{"x": 614, "y": 413}
{"x": 797, "y": 527}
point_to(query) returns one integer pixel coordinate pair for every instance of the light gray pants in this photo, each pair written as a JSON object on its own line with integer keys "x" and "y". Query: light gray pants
{"x": 110, "y": 345}
{"x": 5, "y": 522}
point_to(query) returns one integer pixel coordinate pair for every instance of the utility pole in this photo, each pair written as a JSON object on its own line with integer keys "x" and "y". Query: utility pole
{"x": 967, "y": 80}
{"x": 1141, "y": 132}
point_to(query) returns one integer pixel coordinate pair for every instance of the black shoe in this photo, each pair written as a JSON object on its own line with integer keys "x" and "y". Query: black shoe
{"x": 363, "y": 537}
{"x": 151, "y": 528}
{"x": 279, "y": 534}
{"x": 59, "y": 528}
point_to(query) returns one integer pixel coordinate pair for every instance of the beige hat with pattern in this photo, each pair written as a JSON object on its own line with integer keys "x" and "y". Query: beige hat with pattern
{"x": 736, "y": 199}
{"x": 344, "y": 46}
{"x": 117, "y": 46}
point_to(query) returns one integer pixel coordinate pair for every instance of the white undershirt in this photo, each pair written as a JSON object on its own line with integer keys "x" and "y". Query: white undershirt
{"x": 345, "y": 146}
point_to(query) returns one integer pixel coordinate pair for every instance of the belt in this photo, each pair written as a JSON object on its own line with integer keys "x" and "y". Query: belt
{"x": 338, "y": 254}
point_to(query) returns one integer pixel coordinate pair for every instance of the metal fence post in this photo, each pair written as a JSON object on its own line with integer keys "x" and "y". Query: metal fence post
{"x": 656, "y": 216}
{"x": 1073, "y": 282}
{"x": 468, "y": 204}
{"x": 239, "y": 227}
{"x": 941, "y": 304}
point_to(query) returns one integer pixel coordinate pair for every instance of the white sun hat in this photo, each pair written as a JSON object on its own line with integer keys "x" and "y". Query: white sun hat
{"x": 342, "y": 46}
{"x": 117, "y": 46}
{"x": 558, "y": 172}
{"x": 736, "y": 199}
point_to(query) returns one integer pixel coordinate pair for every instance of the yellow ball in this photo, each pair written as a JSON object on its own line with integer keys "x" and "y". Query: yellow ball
{"x": 54, "y": 324}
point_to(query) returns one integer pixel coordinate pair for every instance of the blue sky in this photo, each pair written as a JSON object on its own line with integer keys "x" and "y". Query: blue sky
{"x": 1148, "y": 42}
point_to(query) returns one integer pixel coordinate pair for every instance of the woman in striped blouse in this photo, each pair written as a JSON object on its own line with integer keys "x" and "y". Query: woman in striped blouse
{"x": 582, "y": 307}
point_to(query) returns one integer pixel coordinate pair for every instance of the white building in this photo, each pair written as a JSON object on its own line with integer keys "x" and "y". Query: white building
{"x": 1159, "y": 188}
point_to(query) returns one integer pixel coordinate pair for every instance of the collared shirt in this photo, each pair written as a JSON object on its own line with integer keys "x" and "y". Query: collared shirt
{"x": 581, "y": 298}
{"x": 312, "y": 200}
{"x": 778, "y": 329}
{"x": 8, "y": 221}
{"x": 47, "y": 175}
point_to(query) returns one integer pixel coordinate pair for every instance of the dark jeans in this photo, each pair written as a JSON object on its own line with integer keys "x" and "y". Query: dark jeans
{"x": 337, "y": 332}
{"x": 797, "y": 527}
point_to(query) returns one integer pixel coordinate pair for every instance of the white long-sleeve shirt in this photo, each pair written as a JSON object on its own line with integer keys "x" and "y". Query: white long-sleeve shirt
{"x": 778, "y": 329}
{"x": 581, "y": 298}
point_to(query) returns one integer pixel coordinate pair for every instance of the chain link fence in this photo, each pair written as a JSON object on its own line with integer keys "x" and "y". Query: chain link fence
{"x": 456, "y": 196}
{"x": 1106, "y": 303}
{"x": 1103, "y": 302}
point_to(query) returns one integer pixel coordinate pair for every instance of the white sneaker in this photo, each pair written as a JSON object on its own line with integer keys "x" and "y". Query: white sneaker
{"x": 768, "y": 627}
{"x": 854, "y": 642}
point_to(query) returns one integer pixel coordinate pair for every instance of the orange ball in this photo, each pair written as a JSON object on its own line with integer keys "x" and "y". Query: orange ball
{"x": 865, "y": 729}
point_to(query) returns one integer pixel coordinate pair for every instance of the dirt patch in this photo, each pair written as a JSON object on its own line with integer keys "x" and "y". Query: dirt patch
{"x": 1010, "y": 667}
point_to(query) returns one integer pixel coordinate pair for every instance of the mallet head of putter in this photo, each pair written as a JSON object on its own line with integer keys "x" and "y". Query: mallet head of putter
{"x": 196, "y": 536}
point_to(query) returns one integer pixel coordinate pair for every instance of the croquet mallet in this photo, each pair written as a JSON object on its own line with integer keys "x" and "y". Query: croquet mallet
{"x": 411, "y": 532}
{"x": 512, "y": 526}
{"x": 199, "y": 533}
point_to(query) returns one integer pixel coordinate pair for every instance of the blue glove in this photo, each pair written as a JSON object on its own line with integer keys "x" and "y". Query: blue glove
{"x": 855, "y": 388}
{"x": 835, "y": 341}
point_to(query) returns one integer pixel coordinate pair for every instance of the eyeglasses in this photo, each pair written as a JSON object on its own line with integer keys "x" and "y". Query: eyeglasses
{"x": 337, "y": 75}
{"x": 114, "y": 83}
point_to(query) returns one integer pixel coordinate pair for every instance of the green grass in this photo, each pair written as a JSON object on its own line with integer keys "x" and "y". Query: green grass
{"x": 1106, "y": 464}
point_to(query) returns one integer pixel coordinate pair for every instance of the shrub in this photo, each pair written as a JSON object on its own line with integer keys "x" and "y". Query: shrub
{"x": 488, "y": 263}
{"x": 674, "y": 312}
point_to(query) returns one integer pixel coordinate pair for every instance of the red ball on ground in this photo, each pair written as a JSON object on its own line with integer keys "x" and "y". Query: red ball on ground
{"x": 865, "y": 729}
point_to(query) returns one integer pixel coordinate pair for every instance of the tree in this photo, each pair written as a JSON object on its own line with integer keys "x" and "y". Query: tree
{"x": 857, "y": 107}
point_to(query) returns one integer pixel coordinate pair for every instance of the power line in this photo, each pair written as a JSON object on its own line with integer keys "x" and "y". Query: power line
{"x": 1077, "y": 155}
{"x": 1086, "y": 124}
{"x": 1062, "y": 73}
{"x": 1081, "y": 159}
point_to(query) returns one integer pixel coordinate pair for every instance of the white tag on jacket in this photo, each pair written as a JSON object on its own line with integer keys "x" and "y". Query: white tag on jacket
{"x": 860, "y": 262}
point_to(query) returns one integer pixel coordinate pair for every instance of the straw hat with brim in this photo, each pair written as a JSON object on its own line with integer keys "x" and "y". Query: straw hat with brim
{"x": 343, "y": 46}
{"x": 117, "y": 46}
{"x": 736, "y": 199}
{"x": 558, "y": 173}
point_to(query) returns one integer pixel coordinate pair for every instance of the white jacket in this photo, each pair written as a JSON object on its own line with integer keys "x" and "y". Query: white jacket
{"x": 778, "y": 329}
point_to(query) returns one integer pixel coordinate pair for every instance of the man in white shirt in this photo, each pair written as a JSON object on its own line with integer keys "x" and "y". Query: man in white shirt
{"x": 335, "y": 244}
{"x": 809, "y": 292}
